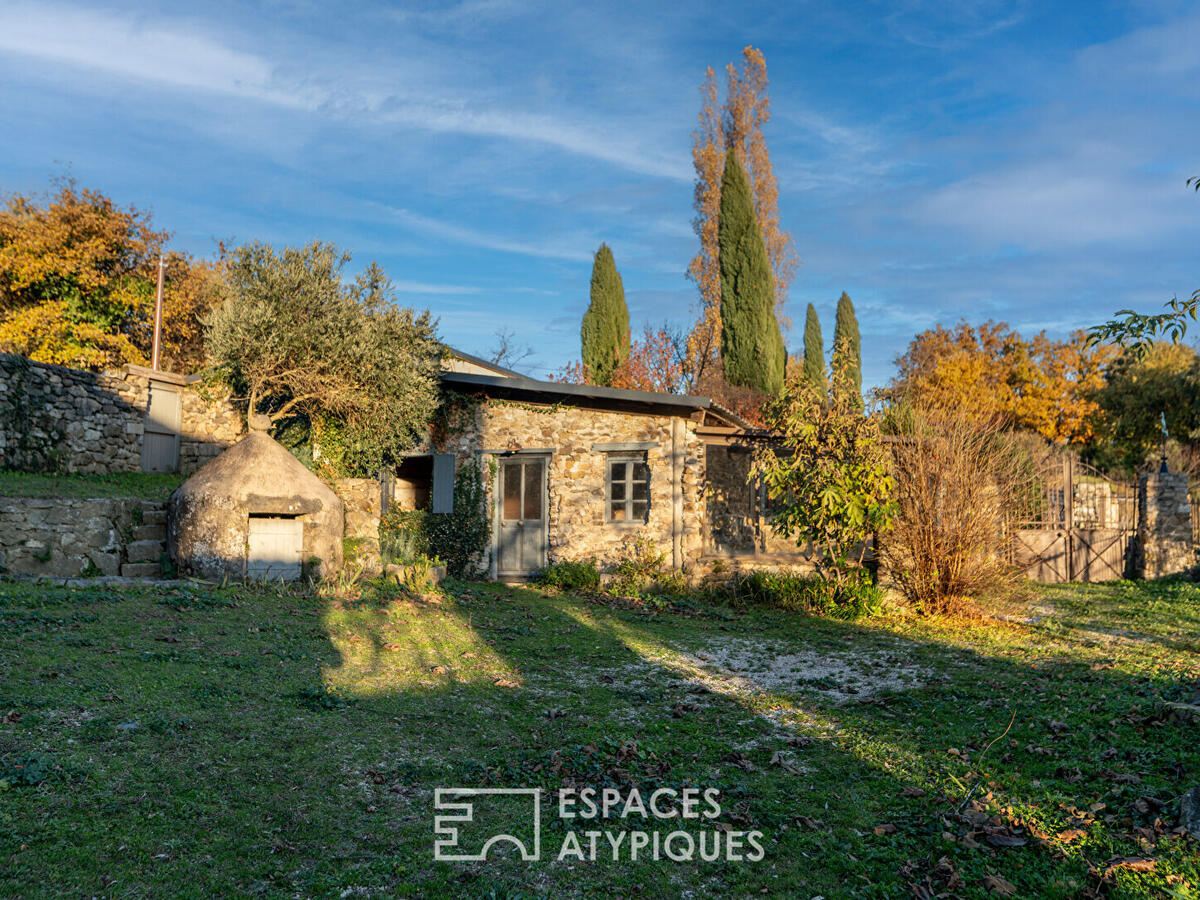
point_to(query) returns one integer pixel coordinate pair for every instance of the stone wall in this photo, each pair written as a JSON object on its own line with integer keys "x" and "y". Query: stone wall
{"x": 68, "y": 537}
{"x": 209, "y": 428}
{"x": 362, "y": 498}
{"x": 57, "y": 418}
{"x": 576, "y": 479}
{"x": 1164, "y": 544}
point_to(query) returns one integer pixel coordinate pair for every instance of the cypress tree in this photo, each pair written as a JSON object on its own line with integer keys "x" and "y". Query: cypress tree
{"x": 814, "y": 352}
{"x": 752, "y": 348}
{"x": 846, "y": 341}
{"x": 604, "y": 334}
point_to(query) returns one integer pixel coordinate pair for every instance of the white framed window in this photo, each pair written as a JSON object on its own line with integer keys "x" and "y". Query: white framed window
{"x": 627, "y": 498}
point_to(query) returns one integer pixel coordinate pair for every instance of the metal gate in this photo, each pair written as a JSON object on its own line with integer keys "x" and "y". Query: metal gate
{"x": 1075, "y": 524}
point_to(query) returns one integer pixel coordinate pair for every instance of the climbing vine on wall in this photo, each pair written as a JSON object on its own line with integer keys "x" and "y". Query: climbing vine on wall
{"x": 455, "y": 411}
{"x": 460, "y": 538}
{"x": 34, "y": 441}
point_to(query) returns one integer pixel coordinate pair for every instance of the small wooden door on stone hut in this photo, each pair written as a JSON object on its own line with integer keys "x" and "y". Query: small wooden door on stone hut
{"x": 160, "y": 437}
{"x": 521, "y": 516}
{"x": 274, "y": 548}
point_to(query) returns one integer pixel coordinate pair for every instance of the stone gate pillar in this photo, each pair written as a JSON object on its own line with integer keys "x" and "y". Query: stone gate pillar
{"x": 1164, "y": 537}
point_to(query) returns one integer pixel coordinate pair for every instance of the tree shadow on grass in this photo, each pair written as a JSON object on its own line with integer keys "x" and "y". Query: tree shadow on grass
{"x": 588, "y": 681}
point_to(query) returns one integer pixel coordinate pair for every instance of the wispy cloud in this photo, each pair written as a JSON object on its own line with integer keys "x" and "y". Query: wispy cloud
{"x": 552, "y": 248}
{"x": 420, "y": 287}
{"x": 1049, "y": 206}
{"x": 172, "y": 56}
{"x": 941, "y": 26}
{"x": 178, "y": 56}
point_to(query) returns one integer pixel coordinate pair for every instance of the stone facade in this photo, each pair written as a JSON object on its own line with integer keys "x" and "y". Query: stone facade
{"x": 575, "y": 438}
{"x": 68, "y": 537}
{"x": 57, "y": 418}
{"x": 1164, "y": 545}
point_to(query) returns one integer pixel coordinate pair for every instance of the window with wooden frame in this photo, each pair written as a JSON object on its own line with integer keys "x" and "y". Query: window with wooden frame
{"x": 628, "y": 500}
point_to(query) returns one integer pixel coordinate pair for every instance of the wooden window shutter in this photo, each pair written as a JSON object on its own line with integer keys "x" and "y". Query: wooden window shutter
{"x": 443, "y": 483}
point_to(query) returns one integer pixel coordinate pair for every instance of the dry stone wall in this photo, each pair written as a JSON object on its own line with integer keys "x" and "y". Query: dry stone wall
{"x": 68, "y": 537}
{"x": 362, "y": 498}
{"x": 53, "y": 418}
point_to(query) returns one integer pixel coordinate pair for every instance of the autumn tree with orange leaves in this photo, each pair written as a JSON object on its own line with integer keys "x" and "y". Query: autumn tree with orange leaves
{"x": 737, "y": 124}
{"x": 77, "y": 284}
{"x": 1039, "y": 384}
{"x": 655, "y": 363}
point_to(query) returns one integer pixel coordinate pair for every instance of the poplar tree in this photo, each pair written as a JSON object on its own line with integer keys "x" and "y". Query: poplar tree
{"x": 604, "y": 334}
{"x": 814, "y": 352}
{"x": 847, "y": 346}
{"x": 736, "y": 121}
{"x": 752, "y": 348}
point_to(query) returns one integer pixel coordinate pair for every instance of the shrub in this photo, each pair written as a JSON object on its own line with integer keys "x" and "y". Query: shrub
{"x": 957, "y": 476}
{"x": 826, "y": 473}
{"x": 402, "y": 536}
{"x": 460, "y": 538}
{"x": 851, "y": 599}
{"x": 581, "y": 576}
{"x": 417, "y": 577}
{"x": 641, "y": 567}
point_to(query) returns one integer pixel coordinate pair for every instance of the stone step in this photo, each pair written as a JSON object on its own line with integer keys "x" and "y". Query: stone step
{"x": 150, "y": 533}
{"x": 141, "y": 570}
{"x": 156, "y": 516}
{"x": 143, "y": 551}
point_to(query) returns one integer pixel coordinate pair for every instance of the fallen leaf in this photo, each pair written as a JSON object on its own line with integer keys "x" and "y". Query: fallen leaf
{"x": 1132, "y": 863}
{"x": 998, "y": 884}
{"x": 909, "y": 791}
{"x": 885, "y": 828}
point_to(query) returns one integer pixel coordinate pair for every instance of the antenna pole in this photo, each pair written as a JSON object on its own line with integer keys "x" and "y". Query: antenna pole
{"x": 158, "y": 310}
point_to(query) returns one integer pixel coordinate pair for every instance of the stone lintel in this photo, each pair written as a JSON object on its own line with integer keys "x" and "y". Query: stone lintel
{"x": 626, "y": 447}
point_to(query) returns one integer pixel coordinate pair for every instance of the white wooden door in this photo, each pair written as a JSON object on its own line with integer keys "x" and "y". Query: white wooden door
{"x": 275, "y": 545}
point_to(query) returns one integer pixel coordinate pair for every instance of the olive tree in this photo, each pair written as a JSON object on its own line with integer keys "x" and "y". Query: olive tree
{"x": 294, "y": 339}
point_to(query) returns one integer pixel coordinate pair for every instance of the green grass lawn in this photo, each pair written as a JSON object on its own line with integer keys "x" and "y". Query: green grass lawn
{"x": 199, "y": 743}
{"x": 141, "y": 485}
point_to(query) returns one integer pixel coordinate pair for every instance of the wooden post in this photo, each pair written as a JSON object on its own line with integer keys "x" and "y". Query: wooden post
{"x": 1069, "y": 512}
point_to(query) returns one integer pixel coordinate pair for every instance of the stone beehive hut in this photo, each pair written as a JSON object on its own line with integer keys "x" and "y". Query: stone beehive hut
{"x": 255, "y": 512}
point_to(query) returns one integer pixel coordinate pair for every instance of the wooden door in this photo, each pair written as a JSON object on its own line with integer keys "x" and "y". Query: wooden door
{"x": 274, "y": 549}
{"x": 522, "y": 533}
{"x": 160, "y": 437}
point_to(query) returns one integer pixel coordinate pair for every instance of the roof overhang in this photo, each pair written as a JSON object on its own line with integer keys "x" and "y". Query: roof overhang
{"x": 619, "y": 399}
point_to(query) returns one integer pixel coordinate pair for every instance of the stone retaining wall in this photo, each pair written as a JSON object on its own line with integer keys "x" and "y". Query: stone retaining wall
{"x": 53, "y": 418}
{"x": 67, "y": 537}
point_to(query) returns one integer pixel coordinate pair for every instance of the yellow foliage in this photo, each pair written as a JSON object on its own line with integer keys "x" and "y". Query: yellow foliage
{"x": 44, "y": 333}
{"x": 77, "y": 283}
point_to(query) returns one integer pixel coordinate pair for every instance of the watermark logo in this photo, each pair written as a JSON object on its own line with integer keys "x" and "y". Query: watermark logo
{"x": 589, "y": 836}
{"x": 446, "y": 846}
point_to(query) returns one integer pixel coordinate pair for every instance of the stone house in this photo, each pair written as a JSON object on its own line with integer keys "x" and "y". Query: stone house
{"x": 580, "y": 471}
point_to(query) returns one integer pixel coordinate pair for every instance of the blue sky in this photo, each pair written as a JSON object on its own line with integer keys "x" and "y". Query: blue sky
{"x": 976, "y": 159}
